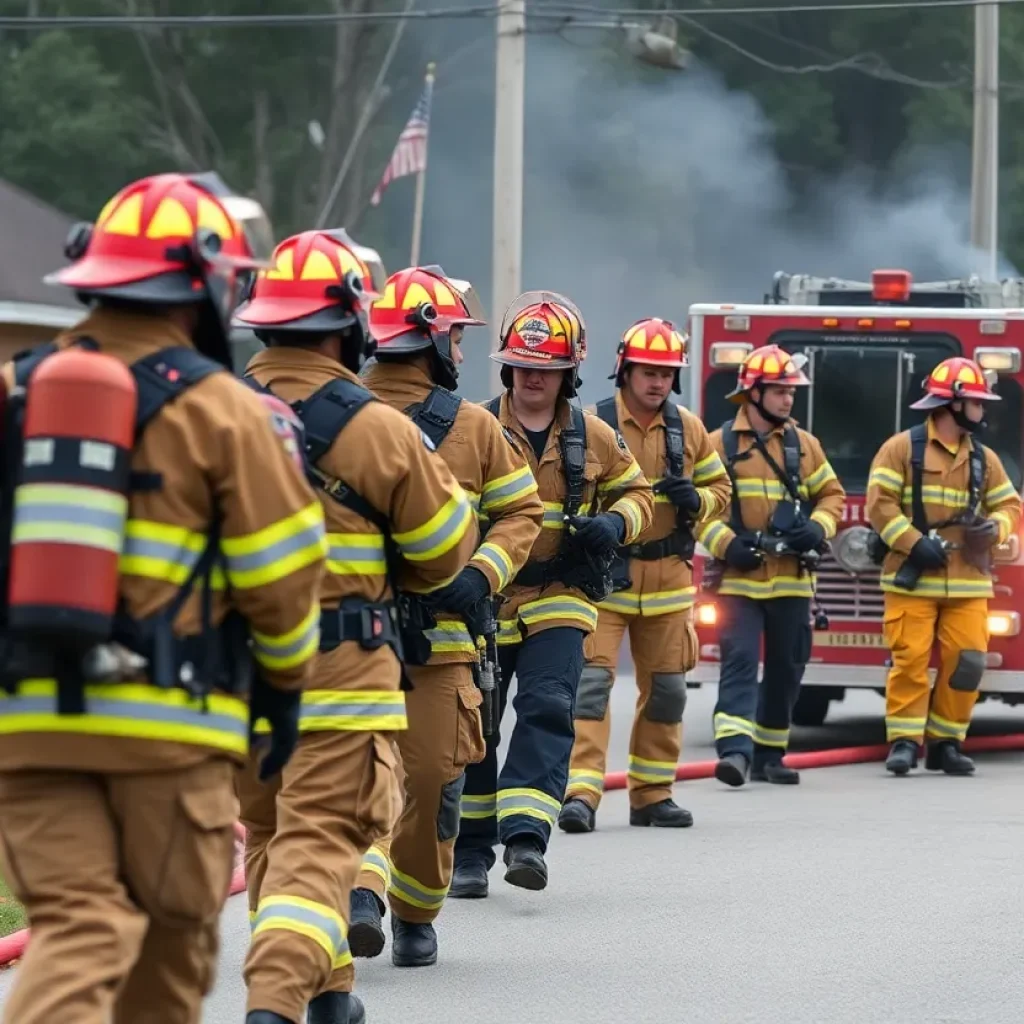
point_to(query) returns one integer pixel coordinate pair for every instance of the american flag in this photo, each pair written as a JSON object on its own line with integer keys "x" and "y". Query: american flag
{"x": 410, "y": 155}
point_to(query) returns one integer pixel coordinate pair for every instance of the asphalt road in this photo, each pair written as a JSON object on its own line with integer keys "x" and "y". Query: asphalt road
{"x": 853, "y": 897}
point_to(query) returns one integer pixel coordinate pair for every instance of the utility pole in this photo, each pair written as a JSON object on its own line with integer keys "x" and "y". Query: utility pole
{"x": 985, "y": 156}
{"x": 509, "y": 117}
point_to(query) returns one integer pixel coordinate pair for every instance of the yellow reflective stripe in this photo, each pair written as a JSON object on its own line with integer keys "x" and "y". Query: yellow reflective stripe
{"x": 349, "y": 711}
{"x": 945, "y": 728}
{"x": 895, "y": 528}
{"x": 440, "y": 533}
{"x": 772, "y": 489}
{"x": 405, "y": 888}
{"x": 732, "y": 725}
{"x": 651, "y": 771}
{"x": 508, "y": 632}
{"x": 771, "y": 737}
{"x": 292, "y": 648}
{"x": 356, "y": 554}
{"x": 630, "y": 512}
{"x": 630, "y": 474}
{"x": 822, "y": 475}
{"x": 478, "y": 806}
{"x": 939, "y": 586}
{"x": 933, "y": 494}
{"x": 163, "y": 551}
{"x": 565, "y": 606}
{"x": 278, "y": 550}
{"x": 377, "y": 862}
{"x": 503, "y": 490}
{"x": 708, "y": 469}
{"x": 496, "y": 558}
{"x": 897, "y": 728}
{"x": 450, "y": 637}
{"x": 69, "y": 514}
{"x": 554, "y": 515}
{"x": 775, "y": 586}
{"x": 826, "y": 521}
{"x": 316, "y": 921}
{"x": 714, "y": 536}
{"x": 586, "y": 779}
{"x": 529, "y": 803}
{"x": 625, "y": 603}
{"x": 1002, "y": 492}
{"x": 130, "y": 710}
{"x": 663, "y": 602}
{"x": 886, "y": 479}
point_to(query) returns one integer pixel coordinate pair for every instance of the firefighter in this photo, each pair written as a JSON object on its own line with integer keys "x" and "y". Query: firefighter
{"x": 674, "y": 451}
{"x": 940, "y": 501}
{"x": 595, "y": 500}
{"x": 395, "y": 516}
{"x": 418, "y": 326}
{"x": 786, "y": 503}
{"x": 117, "y": 819}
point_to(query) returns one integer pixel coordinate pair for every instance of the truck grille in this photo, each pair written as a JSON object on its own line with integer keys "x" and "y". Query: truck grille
{"x": 844, "y": 596}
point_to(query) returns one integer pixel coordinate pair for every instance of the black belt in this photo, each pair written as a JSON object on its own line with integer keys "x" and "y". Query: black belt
{"x": 371, "y": 625}
{"x": 655, "y": 550}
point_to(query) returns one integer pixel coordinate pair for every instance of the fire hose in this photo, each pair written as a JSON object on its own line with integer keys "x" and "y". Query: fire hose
{"x": 12, "y": 947}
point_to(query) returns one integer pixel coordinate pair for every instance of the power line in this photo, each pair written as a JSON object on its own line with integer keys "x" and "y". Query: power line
{"x": 567, "y": 13}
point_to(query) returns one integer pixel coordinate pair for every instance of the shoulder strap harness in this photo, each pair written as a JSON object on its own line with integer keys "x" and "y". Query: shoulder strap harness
{"x": 675, "y": 439}
{"x": 435, "y": 415}
{"x": 976, "y": 479}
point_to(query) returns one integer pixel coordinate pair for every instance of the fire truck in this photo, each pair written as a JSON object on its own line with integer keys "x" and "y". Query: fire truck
{"x": 869, "y": 347}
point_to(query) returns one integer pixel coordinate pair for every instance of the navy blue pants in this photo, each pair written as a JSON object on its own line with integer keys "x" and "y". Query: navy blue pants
{"x": 526, "y": 796}
{"x": 752, "y": 719}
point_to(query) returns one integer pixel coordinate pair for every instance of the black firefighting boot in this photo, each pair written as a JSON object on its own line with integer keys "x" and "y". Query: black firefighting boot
{"x": 412, "y": 945}
{"x": 732, "y": 769}
{"x": 771, "y": 769}
{"x": 524, "y": 863}
{"x": 336, "y": 1008}
{"x": 469, "y": 879}
{"x": 365, "y": 934}
{"x": 663, "y": 814}
{"x": 902, "y": 757}
{"x": 576, "y": 816}
{"x": 946, "y": 756}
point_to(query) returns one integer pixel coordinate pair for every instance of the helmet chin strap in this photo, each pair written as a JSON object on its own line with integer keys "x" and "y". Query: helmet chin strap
{"x": 445, "y": 372}
{"x": 956, "y": 410}
{"x": 758, "y": 404}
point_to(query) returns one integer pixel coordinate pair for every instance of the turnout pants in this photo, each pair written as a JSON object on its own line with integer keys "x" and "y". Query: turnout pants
{"x": 307, "y": 833}
{"x": 526, "y": 796}
{"x": 912, "y": 625}
{"x": 664, "y": 648}
{"x": 749, "y": 719}
{"x": 123, "y": 878}
{"x": 445, "y": 735}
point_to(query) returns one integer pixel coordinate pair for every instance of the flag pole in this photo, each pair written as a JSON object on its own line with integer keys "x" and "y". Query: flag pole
{"x": 421, "y": 188}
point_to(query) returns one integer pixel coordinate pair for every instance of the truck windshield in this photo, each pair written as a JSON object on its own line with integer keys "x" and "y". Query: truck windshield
{"x": 862, "y": 387}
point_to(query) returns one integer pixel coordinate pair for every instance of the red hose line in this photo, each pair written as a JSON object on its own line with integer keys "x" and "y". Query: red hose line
{"x": 13, "y": 946}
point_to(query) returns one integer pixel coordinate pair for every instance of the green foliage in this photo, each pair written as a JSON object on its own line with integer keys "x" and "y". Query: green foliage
{"x": 12, "y": 918}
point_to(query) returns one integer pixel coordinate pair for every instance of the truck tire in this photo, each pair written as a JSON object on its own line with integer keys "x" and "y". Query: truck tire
{"x": 811, "y": 706}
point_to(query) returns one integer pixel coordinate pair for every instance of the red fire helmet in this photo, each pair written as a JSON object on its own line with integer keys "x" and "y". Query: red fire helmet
{"x": 652, "y": 342}
{"x": 769, "y": 364}
{"x": 542, "y": 330}
{"x": 952, "y": 379}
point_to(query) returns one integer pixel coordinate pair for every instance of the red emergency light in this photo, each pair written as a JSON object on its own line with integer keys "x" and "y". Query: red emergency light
{"x": 890, "y": 285}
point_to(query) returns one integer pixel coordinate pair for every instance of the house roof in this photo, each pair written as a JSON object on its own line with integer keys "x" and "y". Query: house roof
{"x": 32, "y": 237}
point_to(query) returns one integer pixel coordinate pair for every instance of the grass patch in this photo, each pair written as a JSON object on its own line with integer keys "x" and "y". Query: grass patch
{"x": 12, "y": 917}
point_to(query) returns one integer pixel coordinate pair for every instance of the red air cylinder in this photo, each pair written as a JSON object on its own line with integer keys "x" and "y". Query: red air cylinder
{"x": 71, "y": 501}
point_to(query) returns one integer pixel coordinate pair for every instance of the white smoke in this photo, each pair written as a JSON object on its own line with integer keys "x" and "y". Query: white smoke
{"x": 649, "y": 190}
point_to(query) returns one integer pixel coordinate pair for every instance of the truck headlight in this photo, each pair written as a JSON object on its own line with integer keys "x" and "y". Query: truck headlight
{"x": 851, "y": 549}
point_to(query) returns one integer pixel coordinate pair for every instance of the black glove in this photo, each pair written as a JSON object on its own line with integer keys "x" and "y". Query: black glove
{"x": 927, "y": 553}
{"x": 281, "y": 710}
{"x": 681, "y": 492}
{"x": 805, "y": 537}
{"x": 464, "y": 592}
{"x": 741, "y": 556}
{"x": 981, "y": 535}
{"x": 600, "y": 534}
